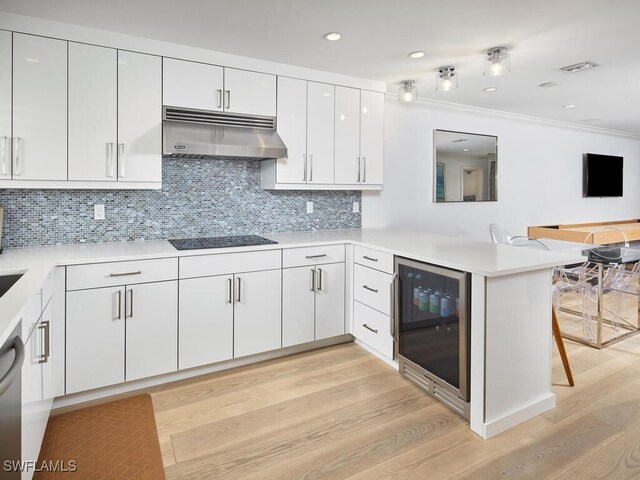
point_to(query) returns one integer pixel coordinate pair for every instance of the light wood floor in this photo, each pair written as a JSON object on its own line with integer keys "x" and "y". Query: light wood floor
{"x": 341, "y": 413}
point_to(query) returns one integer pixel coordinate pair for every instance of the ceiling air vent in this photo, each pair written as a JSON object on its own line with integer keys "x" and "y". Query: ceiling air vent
{"x": 578, "y": 67}
{"x": 223, "y": 119}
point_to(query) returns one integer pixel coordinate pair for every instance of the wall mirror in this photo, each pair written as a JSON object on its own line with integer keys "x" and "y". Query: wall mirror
{"x": 465, "y": 167}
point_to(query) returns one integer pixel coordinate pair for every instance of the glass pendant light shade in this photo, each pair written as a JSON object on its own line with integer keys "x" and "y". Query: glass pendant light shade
{"x": 447, "y": 79}
{"x": 408, "y": 91}
{"x": 499, "y": 61}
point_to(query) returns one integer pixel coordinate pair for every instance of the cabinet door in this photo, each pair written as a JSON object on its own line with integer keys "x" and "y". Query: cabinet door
{"x": 371, "y": 136}
{"x": 151, "y": 311}
{"x": 192, "y": 85}
{"x": 205, "y": 320}
{"x": 347, "y": 121}
{"x": 257, "y": 315}
{"x": 298, "y": 305}
{"x": 320, "y": 132}
{"x": 93, "y": 118}
{"x": 330, "y": 293}
{"x": 95, "y": 338}
{"x": 39, "y": 108}
{"x": 292, "y": 128}
{"x": 139, "y": 117}
{"x": 34, "y": 417}
{"x": 249, "y": 92}
{"x": 5, "y": 105}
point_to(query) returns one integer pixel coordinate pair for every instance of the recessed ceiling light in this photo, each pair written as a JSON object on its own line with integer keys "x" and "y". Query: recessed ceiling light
{"x": 32, "y": 60}
{"x": 465, "y": 149}
{"x": 332, "y": 36}
{"x": 418, "y": 54}
{"x": 571, "y": 105}
{"x": 547, "y": 84}
{"x": 489, "y": 89}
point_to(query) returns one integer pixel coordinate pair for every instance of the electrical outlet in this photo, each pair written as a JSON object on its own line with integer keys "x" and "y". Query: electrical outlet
{"x": 309, "y": 207}
{"x": 98, "y": 212}
{"x": 356, "y": 207}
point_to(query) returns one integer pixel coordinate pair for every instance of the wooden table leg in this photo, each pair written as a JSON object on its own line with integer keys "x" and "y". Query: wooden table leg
{"x": 560, "y": 343}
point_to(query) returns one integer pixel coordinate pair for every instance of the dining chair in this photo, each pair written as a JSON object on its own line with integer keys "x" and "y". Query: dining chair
{"x": 499, "y": 234}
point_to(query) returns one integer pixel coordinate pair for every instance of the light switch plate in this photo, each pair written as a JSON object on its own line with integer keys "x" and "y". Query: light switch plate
{"x": 356, "y": 207}
{"x": 98, "y": 212}
{"x": 309, "y": 207}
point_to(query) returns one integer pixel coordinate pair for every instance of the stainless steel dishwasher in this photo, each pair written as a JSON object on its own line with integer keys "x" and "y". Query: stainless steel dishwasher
{"x": 11, "y": 359}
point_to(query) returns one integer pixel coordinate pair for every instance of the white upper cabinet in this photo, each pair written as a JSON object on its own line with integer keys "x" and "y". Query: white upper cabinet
{"x": 320, "y": 132}
{"x": 249, "y": 92}
{"x": 5, "y": 105}
{"x": 347, "y": 121}
{"x": 139, "y": 149}
{"x": 371, "y": 137}
{"x": 93, "y": 84}
{"x": 292, "y": 128}
{"x": 39, "y": 108}
{"x": 210, "y": 87}
{"x": 192, "y": 85}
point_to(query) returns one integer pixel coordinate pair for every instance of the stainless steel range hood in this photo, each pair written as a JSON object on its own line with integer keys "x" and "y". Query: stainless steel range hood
{"x": 196, "y": 134}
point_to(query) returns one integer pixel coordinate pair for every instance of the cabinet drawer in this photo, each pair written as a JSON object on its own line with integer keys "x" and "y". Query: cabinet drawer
{"x": 299, "y": 257}
{"x": 121, "y": 273}
{"x": 373, "y": 328}
{"x": 225, "y": 263}
{"x": 373, "y": 258}
{"x": 373, "y": 288}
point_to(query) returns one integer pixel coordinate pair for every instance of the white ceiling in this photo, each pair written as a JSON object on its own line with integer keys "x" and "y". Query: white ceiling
{"x": 377, "y": 35}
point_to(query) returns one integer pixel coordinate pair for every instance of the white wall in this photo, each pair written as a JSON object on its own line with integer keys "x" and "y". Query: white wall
{"x": 539, "y": 173}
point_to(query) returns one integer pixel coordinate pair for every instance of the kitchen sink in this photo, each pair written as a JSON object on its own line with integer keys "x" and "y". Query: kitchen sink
{"x": 8, "y": 281}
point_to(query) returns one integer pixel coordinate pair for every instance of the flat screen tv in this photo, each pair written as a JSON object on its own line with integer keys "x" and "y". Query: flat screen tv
{"x": 601, "y": 175}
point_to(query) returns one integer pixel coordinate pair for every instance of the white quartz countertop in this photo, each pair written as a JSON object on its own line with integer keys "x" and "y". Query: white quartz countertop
{"x": 483, "y": 258}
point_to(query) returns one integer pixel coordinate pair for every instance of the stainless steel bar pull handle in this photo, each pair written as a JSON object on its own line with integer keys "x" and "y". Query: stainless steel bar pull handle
{"x": 358, "y": 168}
{"x": 319, "y": 279}
{"x": 310, "y": 167}
{"x": 364, "y": 169}
{"x": 367, "y": 287}
{"x": 219, "y": 98}
{"x": 3, "y": 163}
{"x": 304, "y": 175}
{"x": 121, "y": 159}
{"x": 239, "y": 297}
{"x": 374, "y": 330}
{"x": 227, "y": 102}
{"x": 46, "y": 326}
{"x": 313, "y": 280}
{"x": 116, "y": 307}
{"x": 17, "y": 165}
{"x": 371, "y": 259}
{"x": 229, "y": 290}
{"x": 392, "y": 320}
{"x": 109, "y": 160}
{"x": 317, "y": 256}
{"x": 125, "y": 274}
{"x": 128, "y": 304}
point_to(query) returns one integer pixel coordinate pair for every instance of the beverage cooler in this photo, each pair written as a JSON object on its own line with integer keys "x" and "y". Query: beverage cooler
{"x": 432, "y": 327}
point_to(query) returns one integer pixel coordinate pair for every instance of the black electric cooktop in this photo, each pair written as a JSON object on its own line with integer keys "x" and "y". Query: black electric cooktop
{"x": 219, "y": 242}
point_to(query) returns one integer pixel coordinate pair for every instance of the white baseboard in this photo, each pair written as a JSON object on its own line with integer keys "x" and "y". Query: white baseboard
{"x": 537, "y": 406}
{"x": 82, "y": 397}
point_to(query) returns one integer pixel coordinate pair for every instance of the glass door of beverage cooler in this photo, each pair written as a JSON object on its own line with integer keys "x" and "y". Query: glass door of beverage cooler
{"x": 432, "y": 321}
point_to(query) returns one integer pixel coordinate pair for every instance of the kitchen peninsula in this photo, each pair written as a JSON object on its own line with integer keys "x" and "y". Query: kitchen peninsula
{"x": 510, "y": 306}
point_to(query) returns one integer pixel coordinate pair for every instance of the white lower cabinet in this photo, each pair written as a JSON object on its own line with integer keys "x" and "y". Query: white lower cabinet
{"x": 120, "y": 333}
{"x": 257, "y": 313}
{"x": 151, "y": 313}
{"x": 313, "y": 301}
{"x": 95, "y": 338}
{"x": 206, "y": 320}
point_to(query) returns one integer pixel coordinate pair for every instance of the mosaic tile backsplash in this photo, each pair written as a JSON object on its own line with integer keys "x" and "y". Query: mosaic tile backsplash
{"x": 198, "y": 198}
